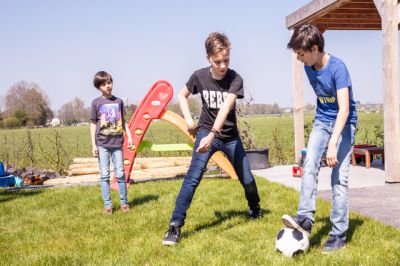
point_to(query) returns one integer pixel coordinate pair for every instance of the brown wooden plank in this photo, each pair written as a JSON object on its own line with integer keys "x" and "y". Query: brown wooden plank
{"x": 328, "y": 26}
{"x": 335, "y": 15}
{"x": 348, "y": 21}
{"x": 355, "y": 10}
{"x": 353, "y": 5}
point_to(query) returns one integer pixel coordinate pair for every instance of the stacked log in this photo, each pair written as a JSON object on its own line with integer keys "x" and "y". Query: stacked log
{"x": 83, "y": 170}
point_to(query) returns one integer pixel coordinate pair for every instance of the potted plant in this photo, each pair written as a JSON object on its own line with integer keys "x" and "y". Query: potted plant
{"x": 258, "y": 157}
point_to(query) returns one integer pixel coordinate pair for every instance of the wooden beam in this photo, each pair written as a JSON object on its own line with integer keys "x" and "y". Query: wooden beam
{"x": 298, "y": 113}
{"x": 343, "y": 26}
{"x": 391, "y": 90}
{"x": 353, "y": 5}
{"x": 378, "y": 5}
{"x": 314, "y": 9}
{"x": 356, "y": 21}
{"x": 398, "y": 13}
{"x": 335, "y": 15}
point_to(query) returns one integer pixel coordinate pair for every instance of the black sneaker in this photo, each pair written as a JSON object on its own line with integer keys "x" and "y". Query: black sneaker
{"x": 255, "y": 213}
{"x": 299, "y": 222}
{"x": 333, "y": 243}
{"x": 172, "y": 236}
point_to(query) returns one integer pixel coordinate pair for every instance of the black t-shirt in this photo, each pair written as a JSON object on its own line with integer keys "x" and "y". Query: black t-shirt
{"x": 213, "y": 93}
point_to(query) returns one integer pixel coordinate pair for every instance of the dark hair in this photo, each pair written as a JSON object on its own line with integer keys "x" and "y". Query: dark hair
{"x": 100, "y": 78}
{"x": 216, "y": 42}
{"x": 305, "y": 37}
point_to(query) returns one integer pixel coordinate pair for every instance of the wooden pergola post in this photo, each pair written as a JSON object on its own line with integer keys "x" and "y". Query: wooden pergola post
{"x": 298, "y": 113}
{"x": 389, "y": 12}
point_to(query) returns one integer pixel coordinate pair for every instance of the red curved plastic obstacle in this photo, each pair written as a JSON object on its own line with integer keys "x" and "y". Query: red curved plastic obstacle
{"x": 150, "y": 108}
{"x": 153, "y": 107}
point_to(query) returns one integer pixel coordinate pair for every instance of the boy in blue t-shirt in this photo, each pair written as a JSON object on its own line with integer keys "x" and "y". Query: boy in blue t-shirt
{"x": 334, "y": 127}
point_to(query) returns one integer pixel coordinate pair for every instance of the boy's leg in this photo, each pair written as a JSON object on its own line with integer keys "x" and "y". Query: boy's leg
{"x": 192, "y": 179}
{"x": 104, "y": 165}
{"x": 317, "y": 142}
{"x": 339, "y": 183}
{"x": 117, "y": 158}
{"x": 237, "y": 156}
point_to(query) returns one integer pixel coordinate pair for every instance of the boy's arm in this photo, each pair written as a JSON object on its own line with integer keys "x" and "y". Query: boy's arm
{"x": 223, "y": 112}
{"x": 341, "y": 119}
{"x": 184, "y": 105}
{"x": 128, "y": 133}
{"x": 95, "y": 152}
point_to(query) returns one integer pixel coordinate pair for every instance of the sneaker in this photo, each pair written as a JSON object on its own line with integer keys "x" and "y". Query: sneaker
{"x": 125, "y": 208}
{"x": 299, "y": 222}
{"x": 108, "y": 210}
{"x": 172, "y": 236}
{"x": 255, "y": 213}
{"x": 333, "y": 243}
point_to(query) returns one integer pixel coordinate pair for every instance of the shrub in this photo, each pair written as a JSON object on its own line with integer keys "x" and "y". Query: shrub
{"x": 11, "y": 122}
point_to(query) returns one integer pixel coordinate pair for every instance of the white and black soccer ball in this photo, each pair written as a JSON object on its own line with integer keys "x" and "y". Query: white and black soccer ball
{"x": 291, "y": 242}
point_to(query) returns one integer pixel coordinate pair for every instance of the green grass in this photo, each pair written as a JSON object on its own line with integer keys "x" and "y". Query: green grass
{"x": 65, "y": 226}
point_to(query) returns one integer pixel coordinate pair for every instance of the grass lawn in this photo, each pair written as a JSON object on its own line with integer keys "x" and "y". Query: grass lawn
{"x": 66, "y": 226}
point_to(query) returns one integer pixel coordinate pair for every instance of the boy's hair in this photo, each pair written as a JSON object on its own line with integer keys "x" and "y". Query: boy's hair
{"x": 305, "y": 37}
{"x": 216, "y": 42}
{"x": 100, "y": 78}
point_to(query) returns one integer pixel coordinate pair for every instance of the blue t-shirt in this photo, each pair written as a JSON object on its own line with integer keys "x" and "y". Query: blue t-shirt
{"x": 325, "y": 82}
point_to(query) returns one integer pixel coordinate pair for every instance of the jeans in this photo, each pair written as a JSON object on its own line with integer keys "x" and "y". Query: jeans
{"x": 317, "y": 144}
{"x": 104, "y": 163}
{"x": 234, "y": 150}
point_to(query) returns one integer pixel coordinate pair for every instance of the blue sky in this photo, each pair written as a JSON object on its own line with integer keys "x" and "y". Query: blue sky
{"x": 61, "y": 44}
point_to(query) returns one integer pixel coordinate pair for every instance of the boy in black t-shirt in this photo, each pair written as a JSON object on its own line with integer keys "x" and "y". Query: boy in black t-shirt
{"x": 219, "y": 88}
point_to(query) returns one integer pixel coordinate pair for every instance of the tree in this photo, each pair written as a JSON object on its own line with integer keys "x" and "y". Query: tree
{"x": 173, "y": 106}
{"x": 130, "y": 110}
{"x": 29, "y": 98}
{"x": 194, "y": 106}
{"x": 21, "y": 116}
{"x": 309, "y": 108}
{"x": 74, "y": 111}
{"x": 275, "y": 109}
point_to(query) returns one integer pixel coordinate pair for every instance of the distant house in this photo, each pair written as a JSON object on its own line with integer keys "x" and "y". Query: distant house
{"x": 287, "y": 111}
{"x": 55, "y": 122}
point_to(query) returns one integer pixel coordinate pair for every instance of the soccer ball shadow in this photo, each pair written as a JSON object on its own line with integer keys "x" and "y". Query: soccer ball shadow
{"x": 291, "y": 242}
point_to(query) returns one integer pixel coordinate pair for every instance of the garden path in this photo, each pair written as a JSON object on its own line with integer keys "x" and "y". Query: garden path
{"x": 369, "y": 194}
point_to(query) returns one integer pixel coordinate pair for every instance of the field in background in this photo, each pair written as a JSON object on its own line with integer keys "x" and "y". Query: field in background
{"x": 54, "y": 148}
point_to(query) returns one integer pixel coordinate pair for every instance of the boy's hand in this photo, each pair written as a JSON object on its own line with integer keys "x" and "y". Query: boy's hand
{"x": 331, "y": 155}
{"x": 205, "y": 143}
{"x": 95, "y": 151}
{"x": 130, "y": 143}
{"x": 192, "y": 128}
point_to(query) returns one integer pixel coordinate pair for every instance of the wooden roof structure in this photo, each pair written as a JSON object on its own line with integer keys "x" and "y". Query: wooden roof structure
{"x": 338, "y": 15}
{"x": 381, "y": 15}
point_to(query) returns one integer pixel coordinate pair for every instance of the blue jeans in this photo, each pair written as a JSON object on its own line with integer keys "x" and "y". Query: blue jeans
{"x": 104, "y": 164}
{"x": 234, "y": 150}
{"x": 317, "y": 144}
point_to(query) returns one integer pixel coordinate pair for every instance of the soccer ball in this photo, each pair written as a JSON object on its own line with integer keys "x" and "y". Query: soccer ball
{"x": 291, "y": 242}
